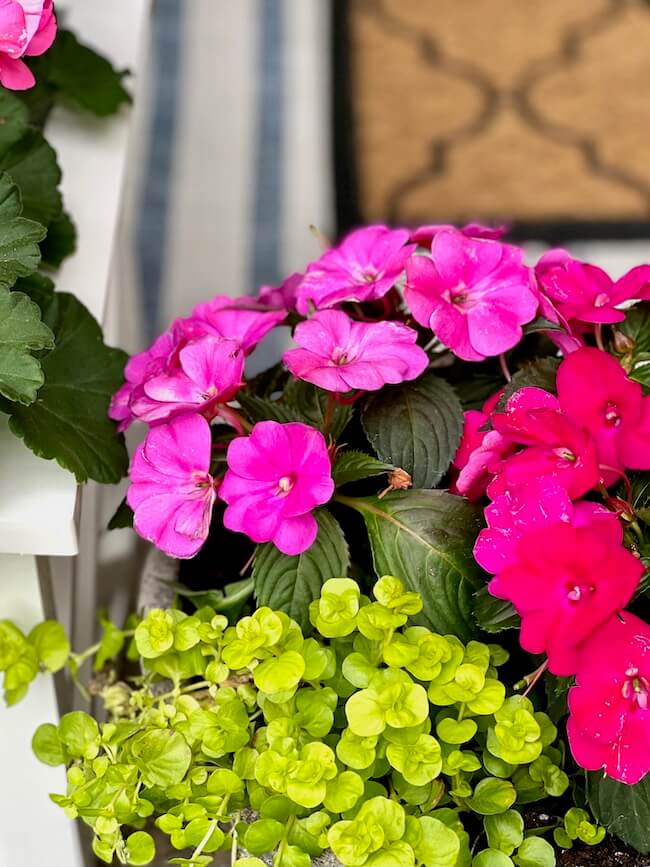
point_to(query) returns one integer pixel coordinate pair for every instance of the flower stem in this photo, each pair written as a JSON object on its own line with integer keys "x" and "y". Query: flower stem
{"x": 504, "y": 367}
{"x": 235, "y": 418}
{"x": 234, "y": 849}
{"x": 213, "y": 824}
{"x": 598, "y": 334}
{"x": 531, "y": 679}
{"x": 329, "y": 413}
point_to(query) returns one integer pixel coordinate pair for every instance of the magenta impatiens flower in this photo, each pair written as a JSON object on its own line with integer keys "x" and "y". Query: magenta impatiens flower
{"x": 276, "y": 477}
{"x": 139, "y": 368}
{"x": 282, "y": 296}
{"x": 172, "y": 491}
{"x": 566, "y": 582}
{"x": 609, "y": 721}
{"x": 233, "y": 318}
{"x": 586, "y": 293}
{"x": 480, "y": 452}
{"x": 540, "y": 502}
{"x": 556, "y": 446}
{"x": 363, "y": 267}
{"x": 338, "y": 354}
{"x": 206, "y": 372}
{"x": 27, "y": 29}
{"x": 169, "y": 377}
{"x": 424, "y": 235}
{"x": 474, "y": 294}
{"x": 594, "y": 391}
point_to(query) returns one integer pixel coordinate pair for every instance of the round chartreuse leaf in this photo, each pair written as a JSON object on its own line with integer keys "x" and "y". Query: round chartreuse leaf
{"x": 47, "y": 746}
{"x": 51, "y": 644}
{"x": 140, "y": 848}
{"x": 492, "y": 796}
{"x": 281, "y": 673}
{"x": 535, "y": 852}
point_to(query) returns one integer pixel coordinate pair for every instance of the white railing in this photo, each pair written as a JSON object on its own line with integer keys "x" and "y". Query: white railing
{"x": 39, "y": 508}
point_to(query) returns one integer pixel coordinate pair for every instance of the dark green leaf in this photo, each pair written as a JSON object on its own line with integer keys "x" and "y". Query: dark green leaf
{"x": 291, "y": 583}
{"x": 641, "y": 372}
{"x": 310, "y": 404}
{"x": 640, "y": 484}
{"x": 122, "y": 518}
{"x": 60, "y": 242}
{"x": 39, "y": 288}
{"x": 540, "y": 373}
{"x": 636, "y": 328}
{"x": 492, "y": 614}
{"x": 541, "y": 324}
{"x": 352, "y": 466}
{"x": 260, "y": 408}
{"x": 38, "y": 100}
{"x": 14, "y": 116}
{"x": 426, "y": 538}
{"x": 268, "y": 381}
{"x": 557, "y": 690}
{"x": 416, "y": 426}
{"x": 476, "y": 388}
{"x": 624, "y": 810}
{"x": 68, "y": 421}
{"x": 21, "y": 332}
{"x": 19, "y": 238}
{"x": 82, "y": 76}
{"x": 31, "y": 164}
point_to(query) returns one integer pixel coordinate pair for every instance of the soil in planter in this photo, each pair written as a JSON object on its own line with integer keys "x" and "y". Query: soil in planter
{"x": 610, "y": 853}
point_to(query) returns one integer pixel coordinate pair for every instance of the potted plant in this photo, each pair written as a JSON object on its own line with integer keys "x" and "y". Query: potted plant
{"x": 454, "y": 447}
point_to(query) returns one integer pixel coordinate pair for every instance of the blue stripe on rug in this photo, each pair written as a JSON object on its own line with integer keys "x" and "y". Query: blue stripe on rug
{"x": 152, "y": 219}
{"x": 266, "y": 265}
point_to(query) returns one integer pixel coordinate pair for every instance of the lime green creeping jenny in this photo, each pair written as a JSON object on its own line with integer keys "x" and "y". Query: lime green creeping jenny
{"x": 372, "y": 737}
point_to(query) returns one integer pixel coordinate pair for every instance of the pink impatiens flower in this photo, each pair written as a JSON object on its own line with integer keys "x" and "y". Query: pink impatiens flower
{"x": 474, "y": 294}
{"x": 556, "y": 446}
{"x": 566, "y": 582}
{"x": 207, "y": 372}
{"x": 27, "y": 29}
{"x": 586, "y": 293}
{"x": 172, "y": 491}
{"x": 339, "y": 354}
{"x": 594, "y": 391}
{"x": 363, "y": 267}
{"x": 233, "y": 318}
{"x": 197, "y": 363}
{"x": 609, "y": 721}
{"x": 424, "y": 235}
{"x": 282, "y": 296}
{"x": 276, "y": 477}
{"x": 139, "y": 368}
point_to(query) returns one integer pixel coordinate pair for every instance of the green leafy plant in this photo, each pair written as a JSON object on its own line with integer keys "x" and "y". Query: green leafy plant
{"x": 383, "y": 741}
{"x": 56, "y": 373}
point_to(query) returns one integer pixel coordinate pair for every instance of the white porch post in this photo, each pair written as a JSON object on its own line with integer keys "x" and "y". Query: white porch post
{"x": 39, "y": 501}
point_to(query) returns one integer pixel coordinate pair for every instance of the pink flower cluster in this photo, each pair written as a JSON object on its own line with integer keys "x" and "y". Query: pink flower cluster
{"x": 362, "y": 314}
{"x": 560, "y": 560}
{"x": 27, "y": 29}
{"x": 190, "y": 375}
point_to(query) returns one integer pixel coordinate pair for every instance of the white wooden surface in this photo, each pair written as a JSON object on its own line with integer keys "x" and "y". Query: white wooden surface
{"x": 38, "y": 499}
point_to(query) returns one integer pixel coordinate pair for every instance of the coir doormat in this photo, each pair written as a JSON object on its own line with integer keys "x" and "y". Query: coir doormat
{"x": 533, "y": 112}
